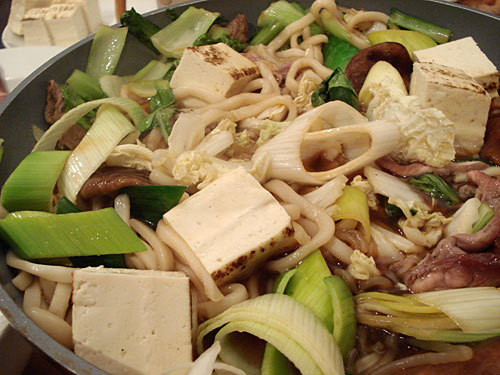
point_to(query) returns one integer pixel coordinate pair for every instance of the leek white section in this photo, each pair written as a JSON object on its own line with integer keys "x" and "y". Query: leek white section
{"x": 474, "y": 310}
{"x": 109, "y": 128}
{"x": 51, "y": 136}
{"x": 287, "y": 149}
{"x": 288, "y": 325}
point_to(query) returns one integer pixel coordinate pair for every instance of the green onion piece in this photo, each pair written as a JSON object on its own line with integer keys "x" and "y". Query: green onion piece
{"x": 85, "y": 86}
{"x": 31, "y": 184}
{"x": 285, "y": 323}
{"x": 217, "y": 31}
{"x": 235, "y": 44}
{"x": 335, "y": 87}
{"x": 105, "y": 51}
{"x": 436, "y": 187}
{"x": 109, "y": 128}
{"x": 344, "y": 314}
{"x": 437, "y": 33}
{"x": 52, "y": 135}
{"x": 337, "y": 53}
{"x": 485, "y": 214}
{"x": 38, "y": 235}
{"x": 172, "y": 39}
{"x": 283, "y": 280}
{"x": 64, "y": 206}
{"x": 411, "y": 40}
{"x": 150, "y": 202}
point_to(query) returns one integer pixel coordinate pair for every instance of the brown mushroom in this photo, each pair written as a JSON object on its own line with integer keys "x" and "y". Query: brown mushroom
{"x": 394, "y": 53}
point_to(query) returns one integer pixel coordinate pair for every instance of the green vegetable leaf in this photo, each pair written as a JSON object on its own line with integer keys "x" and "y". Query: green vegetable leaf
{"x": 235, "y": 44}
{"x": 337, "y": 53}
{"x": 335, "y": 87}
{"x": 436, "y": 187}
{"x": 140, "y": 27}
{"x": 171, "y": 13}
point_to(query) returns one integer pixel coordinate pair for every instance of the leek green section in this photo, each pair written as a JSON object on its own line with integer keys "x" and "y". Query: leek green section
{"x": 38, "y": 235}
{"x": 31, "y": 184}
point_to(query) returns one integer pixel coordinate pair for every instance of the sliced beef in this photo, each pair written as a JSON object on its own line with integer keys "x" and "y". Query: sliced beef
{"x": 239, "y": 28}
{"x": 456, "y": 262}
{"x": 491, "y": 147}
{"x": 485, "y": 361}
{"x": 55, "y": 103}
{"x": 107, "y": 180}
{"x": 394, "y": 53}
{"x": 416, "y": 169}
{"x": 454, "y": 270}
{"x": 71, "y": 138}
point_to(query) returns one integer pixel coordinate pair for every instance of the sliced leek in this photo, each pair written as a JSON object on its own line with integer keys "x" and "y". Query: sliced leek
{"x": 456, "y": 315}
{"x": 31, "y": 184}
{"x": 353, "y": 205}
{"x": 152, "y": 71}
{"x": 284, "y": 149}
{"x": 38, "y": 235}
{"x": 51, "y": 136}
{"x": 285, "y": 323}
{"x": 109, "y": 128}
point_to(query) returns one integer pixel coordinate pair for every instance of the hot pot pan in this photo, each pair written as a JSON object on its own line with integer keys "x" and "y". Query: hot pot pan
{"x": 25, "y": 106}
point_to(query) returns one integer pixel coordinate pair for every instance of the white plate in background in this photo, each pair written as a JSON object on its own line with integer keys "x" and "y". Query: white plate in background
{"x": 18, "y": 63}
{"x": 12, "y": 40}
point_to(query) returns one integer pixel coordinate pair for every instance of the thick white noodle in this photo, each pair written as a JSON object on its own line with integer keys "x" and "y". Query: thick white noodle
{"x": 22, "y": 280}
{"x": 233, "y": 294}
{"x": 53, "y": 325}
{"x": 303, "y": 63}
{"x": 53, "y": 273}
{"x": 326, "y": 226}
{"x": 48, "y": 288}
{"x": 362, "y": 17}
{"x": 60, "y": 300}
{"x": 122, "y": 207}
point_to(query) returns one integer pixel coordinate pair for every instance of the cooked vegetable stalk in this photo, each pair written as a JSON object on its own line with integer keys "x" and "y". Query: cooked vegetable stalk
{"x": 411, "y": 40}
{"x": 335, "y": 87}
{"x": 38, "y": 235}
{"x": 149, "y": 203}
{"x": 51, "y": 136}
{"x": 436, "y": 187}
{"x": 455, "y": 315}
{"x": 64, "y": 206}
{"x": 183, "y": 32}
{"x": 153, "y": 71}
{"x": 333, "y": 26}
{"x": 337, "y": 53}
{"x": 485, "y": 214}
{"x": 105, "y": 51}
{"x": 437, "y": 33}
{"x": 109, "y": 128}
{"x": 344, "y": 314}
{"x": 32, "y": 183}
{"x": 72, "y": 100}
{"x": 285, "y": 323}
{"x": 305, "y": 285}
{"x": 85, "y": 86}
{"x": 140, "y": 27}
{"x": 353, "y": 204}
{"x": 231, "y": 42}
{"x": 275, "y": 18}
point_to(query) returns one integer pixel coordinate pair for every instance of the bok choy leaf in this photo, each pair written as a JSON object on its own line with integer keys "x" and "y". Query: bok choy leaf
{"x": 436, "y": 187}
{"x": 105, "y": 51}
{"x": 335, "y": 87}
{"x": 140, "y": 27}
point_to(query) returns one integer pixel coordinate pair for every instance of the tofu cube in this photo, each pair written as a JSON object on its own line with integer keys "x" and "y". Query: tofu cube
{"x": 464, "y": 102}
{"x": 131, "y": 321}
{"x": 66, "y": 24}
{"x": 464, "y": 54}
{"x": 216, "y": 68}
{"x": 232, "y": 225}
{"x": 36, "y": 32}
{"x": 18, "y": 10}
{"x": 91, "y": 12}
